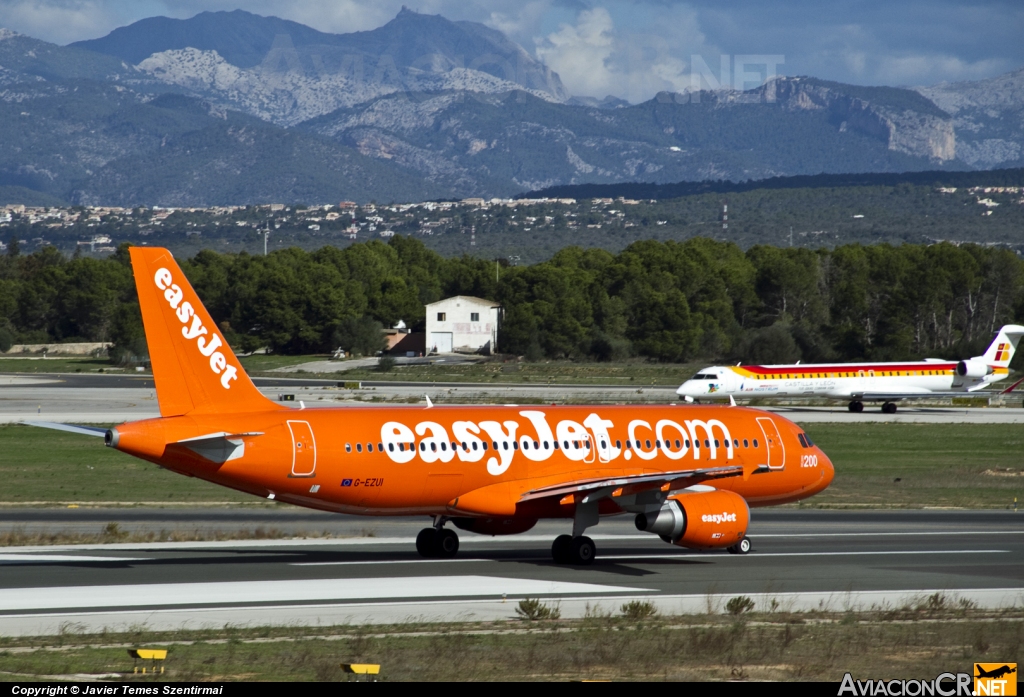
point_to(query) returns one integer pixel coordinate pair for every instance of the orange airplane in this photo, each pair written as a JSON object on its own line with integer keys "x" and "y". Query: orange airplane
{"x": 688, "y": 473}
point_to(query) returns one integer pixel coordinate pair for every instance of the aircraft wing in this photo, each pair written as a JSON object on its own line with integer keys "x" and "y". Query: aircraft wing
{"x": 594, "y": 489}
{"x": 879, "y": 396}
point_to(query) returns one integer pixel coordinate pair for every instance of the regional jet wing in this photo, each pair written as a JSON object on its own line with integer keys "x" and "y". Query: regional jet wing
{"x": 881, "y": 396}
{"x": 594, "y": 489}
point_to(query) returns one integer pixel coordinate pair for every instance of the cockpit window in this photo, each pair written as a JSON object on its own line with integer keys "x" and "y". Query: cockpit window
{"x": 704, "y": 376}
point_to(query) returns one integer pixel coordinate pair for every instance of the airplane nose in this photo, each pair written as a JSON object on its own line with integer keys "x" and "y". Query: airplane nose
{"x": 828, "y": 472}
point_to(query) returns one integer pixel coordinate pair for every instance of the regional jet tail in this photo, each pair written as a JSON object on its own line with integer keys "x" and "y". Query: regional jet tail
{"x": 860, "y": 382}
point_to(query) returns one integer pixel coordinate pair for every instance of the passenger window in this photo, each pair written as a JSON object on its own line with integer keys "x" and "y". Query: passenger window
{"x": 716, "y": 442}
{"x": 380, "y": 447}
{"x": 444, "y": 447}
{"x": 526, "y": 445}
{"x": 359, "y": 447}
{"x": 423, "y": 446}
{"x": 348, "y": 447}
{"x": 474, "y": 445}
{"x": 735, "y": 443}
{"x": 746, "y": 443}
{"x": 515, "y": 445}
{"x": 618, "y": 444}
{"x": 648, "y": 443}
{"x": 484, "y": 445}
{"x": 755, "y": 442}
{"x": 706, "y": 443}
{"x": 504, "y": 444}
{"x": 433, "y": 447}
{"x": 369, "y": 447}
{"x": 657, "y": 444}
{"x": 391, "y": 447}
{"x": 637, "y": 443}
{"x": 586, "y": 444}
{"x": 494, "y": 444}
{"x": 536, "y": 445}
{"x": 603, "y": 444}
{"x": 565, "y": 444}
{"x": 545, "y": 445}
{"x": 687, "y": 443}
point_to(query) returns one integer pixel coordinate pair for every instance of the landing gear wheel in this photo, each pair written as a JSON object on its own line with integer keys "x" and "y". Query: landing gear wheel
{"x": 425, "y": 542}
{"x": 582, "y": 551}
{"x": 446, "y": 543}
{"x": 856, "y": 407}
{"x": 560, "y": 549}
{"x": 889, "y": 408}
{"x": 741, "y": 547}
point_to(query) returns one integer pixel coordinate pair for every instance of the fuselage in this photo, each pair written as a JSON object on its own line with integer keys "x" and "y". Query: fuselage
{"x": 478, "y": 461}
{"x": 832, "y": 380}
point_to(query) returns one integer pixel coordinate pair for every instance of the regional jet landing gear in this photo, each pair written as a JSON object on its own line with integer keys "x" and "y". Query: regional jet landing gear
{"x": 577, "y": 549}
{"x": 856, "y": 407}
{"x": 437, "y": 542}
{"x": 889, "y": 408}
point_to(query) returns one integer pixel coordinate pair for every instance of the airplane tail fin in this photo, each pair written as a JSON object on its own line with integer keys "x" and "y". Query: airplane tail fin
{"x": 193, "y": 368}
{"x": 1003, "y": 346}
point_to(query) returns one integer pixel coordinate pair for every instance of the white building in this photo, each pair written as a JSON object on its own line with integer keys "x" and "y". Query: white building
{"x": 463, "y": 324}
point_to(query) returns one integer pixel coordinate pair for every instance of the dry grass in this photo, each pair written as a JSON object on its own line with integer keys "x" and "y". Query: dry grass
{"x": 916, "y": 641}
{"x": 112, "y": 532}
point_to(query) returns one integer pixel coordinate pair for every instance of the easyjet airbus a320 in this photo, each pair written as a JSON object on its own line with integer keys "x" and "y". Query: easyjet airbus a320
{"x": 689, "y": 474}
{"x": 861, "y": 382}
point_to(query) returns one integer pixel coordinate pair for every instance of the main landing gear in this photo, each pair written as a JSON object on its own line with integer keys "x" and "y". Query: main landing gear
{"x": 856, "y": 407}
{"x": 437, "y": 542}
{"x": 889, "y": 408}
{"x": 578, "y": 551}
{"x": 741, "y": 547}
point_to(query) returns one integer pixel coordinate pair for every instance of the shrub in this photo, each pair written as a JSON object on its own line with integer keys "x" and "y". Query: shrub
{"x": 531, "y": 609}
{"x": 739, "y": 605}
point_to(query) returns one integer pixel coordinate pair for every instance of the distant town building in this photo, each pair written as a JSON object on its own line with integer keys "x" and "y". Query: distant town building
{"x": 463, "y": 324}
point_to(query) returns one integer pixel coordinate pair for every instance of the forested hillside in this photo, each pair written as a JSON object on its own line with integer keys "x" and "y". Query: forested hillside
{"x": 666, "y": 301}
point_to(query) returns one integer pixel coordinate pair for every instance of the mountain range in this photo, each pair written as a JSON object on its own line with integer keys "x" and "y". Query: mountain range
{"x": 233, "y": 108}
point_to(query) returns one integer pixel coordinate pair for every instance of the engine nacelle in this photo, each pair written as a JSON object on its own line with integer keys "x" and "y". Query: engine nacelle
{"x": 699, "y": 520}
{"x": 495, "y": 526}
{"x": 973, "y": 369}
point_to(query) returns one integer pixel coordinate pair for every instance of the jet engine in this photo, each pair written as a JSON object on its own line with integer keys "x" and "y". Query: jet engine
{"x": 973, "y": 369}
{"x": 495, "y": 526}
{"x": 699, "y": 520}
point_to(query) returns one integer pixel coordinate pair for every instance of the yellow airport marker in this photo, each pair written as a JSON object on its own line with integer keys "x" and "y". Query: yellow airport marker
{"x": 361, "y": 668}
{"x": 148, "y": 655}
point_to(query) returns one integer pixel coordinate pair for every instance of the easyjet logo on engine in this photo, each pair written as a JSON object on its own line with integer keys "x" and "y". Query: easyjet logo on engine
{"x": 534, "y": 439}
{"x": 718, "y": 518}
{"x": 194, "y": 329}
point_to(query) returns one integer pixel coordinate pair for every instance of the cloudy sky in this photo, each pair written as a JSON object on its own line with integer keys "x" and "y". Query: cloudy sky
{"x": 633, "y": 48}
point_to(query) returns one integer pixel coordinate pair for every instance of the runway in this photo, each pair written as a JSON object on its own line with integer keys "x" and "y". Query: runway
{"x": 800, "y": 560}
{"x": 108, "y": 399}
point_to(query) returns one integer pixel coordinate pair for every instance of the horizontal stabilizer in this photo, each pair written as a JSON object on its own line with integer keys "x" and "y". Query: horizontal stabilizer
{"x": 80, "y": 430}
{"x": 218, "y": 447}
{"x": 593, "y": 489}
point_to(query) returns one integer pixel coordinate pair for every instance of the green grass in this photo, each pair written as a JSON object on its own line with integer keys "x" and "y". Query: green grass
{"x": 918, "y": 641}
{"x": 937, "y": 465}
{"x": 41, "y": 465}
{"x": 496, "y": 371}
{"x": 259, "y": 362}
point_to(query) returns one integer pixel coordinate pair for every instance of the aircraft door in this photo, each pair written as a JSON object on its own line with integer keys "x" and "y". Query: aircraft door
{"x": 772, "y": 439}
{"x": 303, "y": 449}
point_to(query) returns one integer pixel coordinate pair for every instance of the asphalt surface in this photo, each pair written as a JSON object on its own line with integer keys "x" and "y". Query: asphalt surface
{"x": 104, "y": 399}
{"x": 800, "y": 559}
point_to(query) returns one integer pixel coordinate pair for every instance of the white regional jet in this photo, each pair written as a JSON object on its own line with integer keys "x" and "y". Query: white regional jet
{"x": 860, "y": 382}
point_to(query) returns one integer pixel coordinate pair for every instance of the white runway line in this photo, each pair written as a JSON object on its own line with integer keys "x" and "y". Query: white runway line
{"x": 50, "y": 558}
{"x": 759, "y": 535}
{"x": 237, "y": 593}
{"x": 640, "y": 557}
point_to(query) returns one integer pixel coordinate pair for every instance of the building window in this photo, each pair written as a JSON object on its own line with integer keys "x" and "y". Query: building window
{"x": 474, "y": 316}
{"x": 440, "y": 316}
